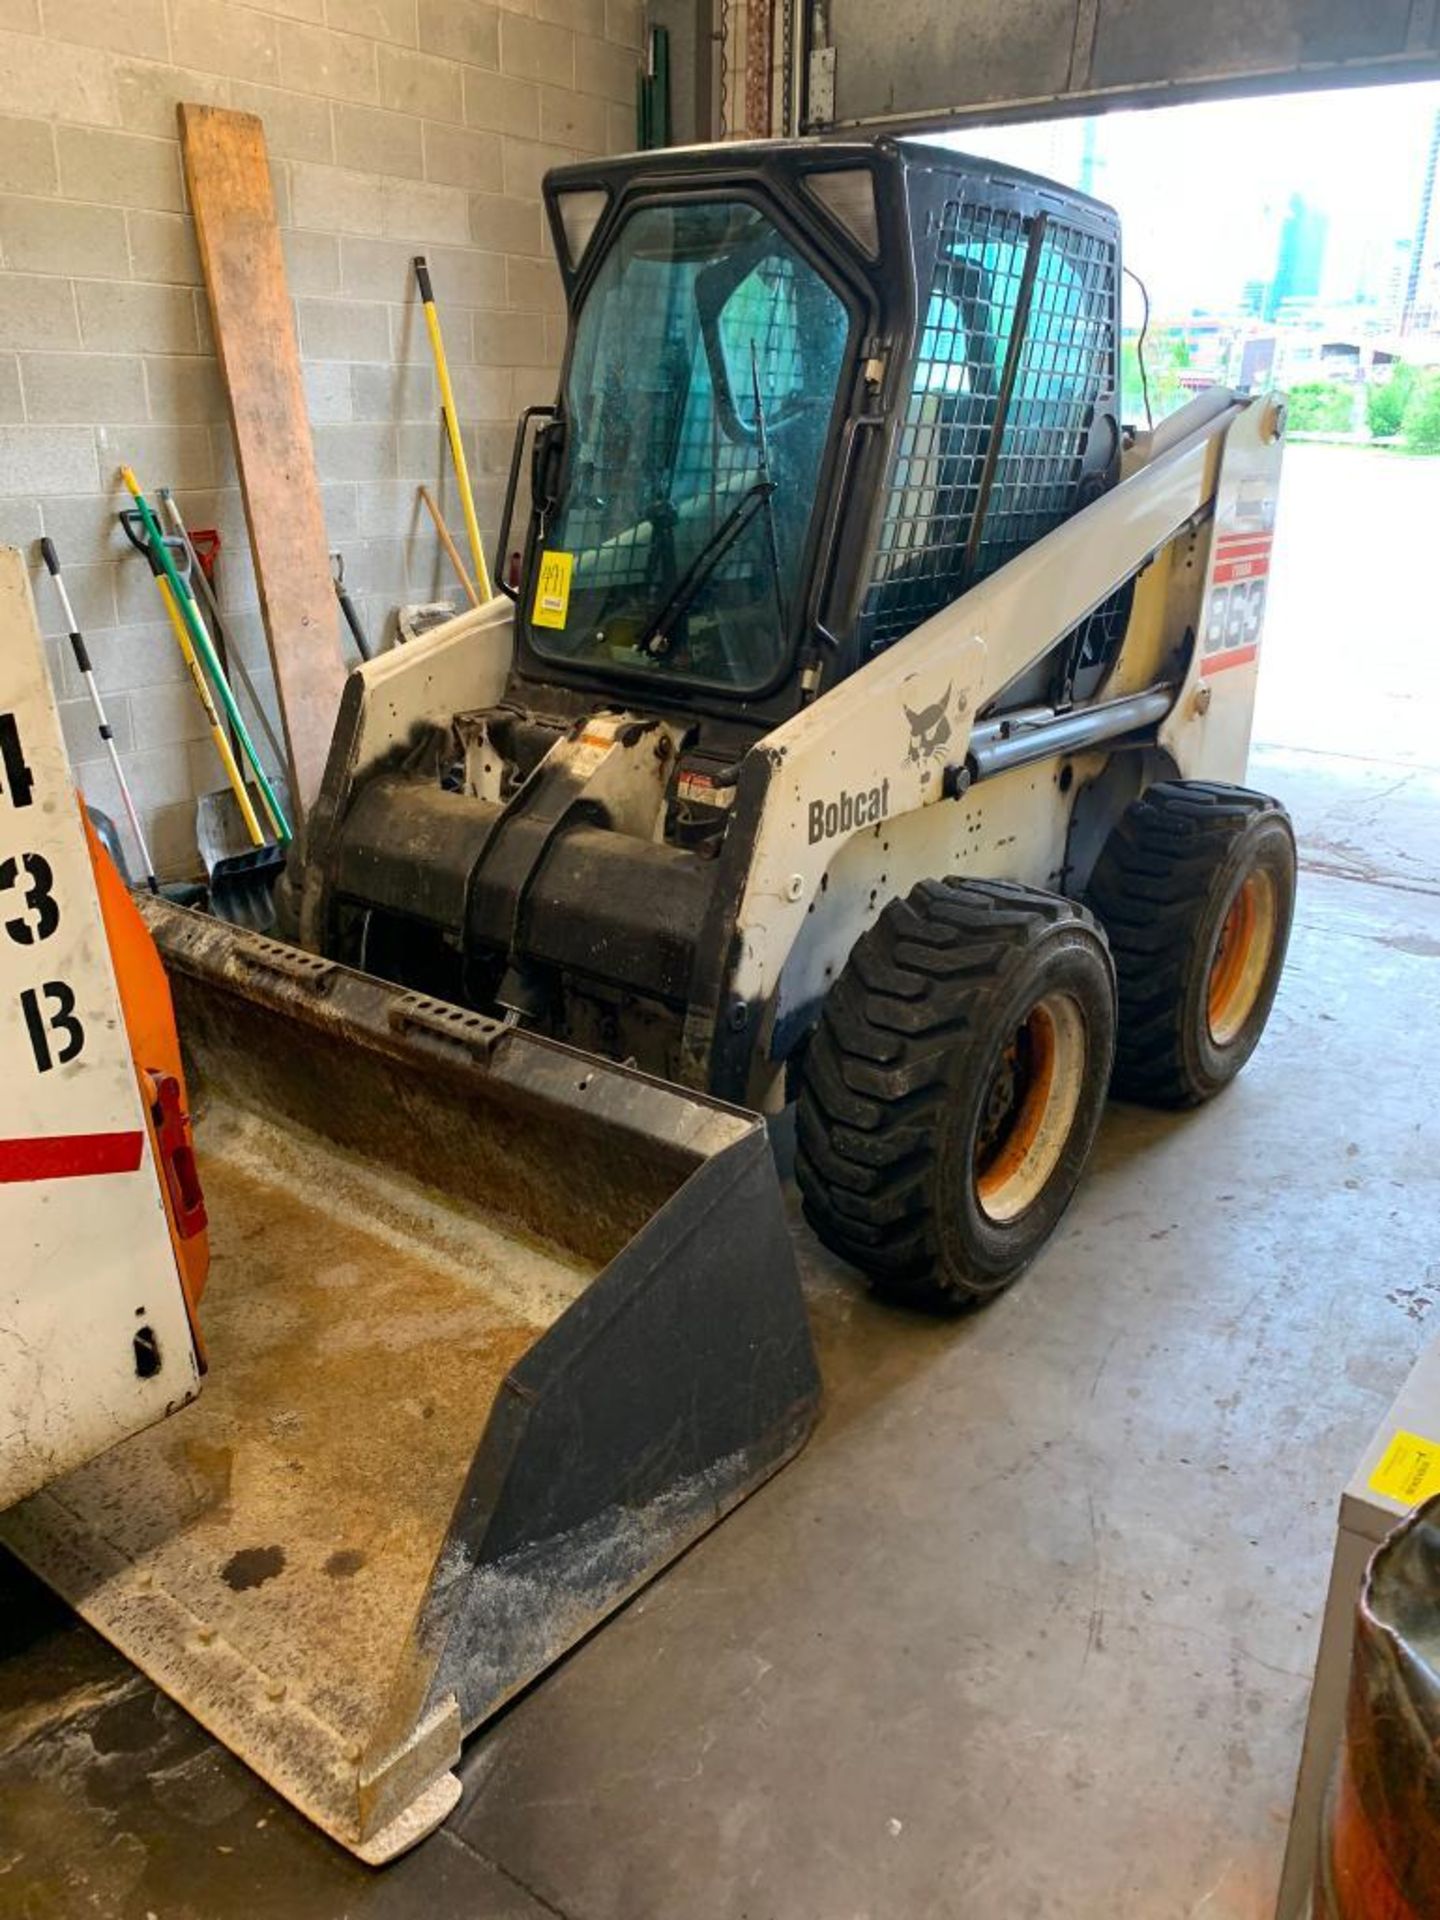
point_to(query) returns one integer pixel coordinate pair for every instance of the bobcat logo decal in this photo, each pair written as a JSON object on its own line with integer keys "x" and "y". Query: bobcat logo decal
{"x": 929, "y": 728}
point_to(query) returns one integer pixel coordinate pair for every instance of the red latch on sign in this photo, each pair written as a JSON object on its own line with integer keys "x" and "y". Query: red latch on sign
{"x": 177, "y": 1156}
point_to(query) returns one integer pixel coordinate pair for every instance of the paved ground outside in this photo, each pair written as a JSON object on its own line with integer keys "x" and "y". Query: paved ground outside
{"x": 1347, "y": 724}
{"x": 1026, "y": 1632}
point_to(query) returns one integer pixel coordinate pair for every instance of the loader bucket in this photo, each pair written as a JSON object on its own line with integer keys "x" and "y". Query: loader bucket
{"x": 495, "y": 1330}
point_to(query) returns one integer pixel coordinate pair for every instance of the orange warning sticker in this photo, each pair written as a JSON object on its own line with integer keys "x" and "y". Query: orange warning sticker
{"x": 1409, "y": 1470}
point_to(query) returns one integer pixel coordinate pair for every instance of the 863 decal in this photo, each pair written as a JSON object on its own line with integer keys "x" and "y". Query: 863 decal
{"x": 1238, "y": 582}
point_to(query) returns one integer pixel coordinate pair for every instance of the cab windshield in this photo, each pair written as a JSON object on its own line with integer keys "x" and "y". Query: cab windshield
{"x": 707, "y": 357}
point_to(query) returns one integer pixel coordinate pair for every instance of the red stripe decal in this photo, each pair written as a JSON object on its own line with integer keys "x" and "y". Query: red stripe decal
{"x": 1228, "y": 542}
{"x": 1236, "y": 657}
{"x": 67, "y": 1156}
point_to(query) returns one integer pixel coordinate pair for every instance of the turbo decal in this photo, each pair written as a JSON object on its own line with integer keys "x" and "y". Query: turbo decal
{"x": 1241, "y": 556}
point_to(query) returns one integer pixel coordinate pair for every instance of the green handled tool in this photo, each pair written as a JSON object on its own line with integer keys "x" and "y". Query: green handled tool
{"x": 229, "y": 655}
{"x": 195, "y": 626}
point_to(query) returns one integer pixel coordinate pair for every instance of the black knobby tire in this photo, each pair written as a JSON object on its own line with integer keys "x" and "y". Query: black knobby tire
{"x": 1182, "y": 863}
{"x": 897, "y": 1098}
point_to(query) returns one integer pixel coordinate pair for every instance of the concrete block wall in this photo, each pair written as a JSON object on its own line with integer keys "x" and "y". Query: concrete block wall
{"x": 394, "y": 127}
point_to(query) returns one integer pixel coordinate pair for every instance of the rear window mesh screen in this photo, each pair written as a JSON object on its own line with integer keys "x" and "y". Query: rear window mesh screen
{"x": 1067, "y": 361}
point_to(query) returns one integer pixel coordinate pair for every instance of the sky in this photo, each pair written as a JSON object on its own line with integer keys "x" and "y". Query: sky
{"x": 1201, "y": 190}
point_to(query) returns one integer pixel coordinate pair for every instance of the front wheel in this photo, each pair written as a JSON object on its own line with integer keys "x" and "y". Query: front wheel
{"x": 1195, "y": 889}
{"x": 950, "y": 1096}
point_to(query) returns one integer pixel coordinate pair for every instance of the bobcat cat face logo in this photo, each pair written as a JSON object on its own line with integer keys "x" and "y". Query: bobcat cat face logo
{"x": 929, "y": 729}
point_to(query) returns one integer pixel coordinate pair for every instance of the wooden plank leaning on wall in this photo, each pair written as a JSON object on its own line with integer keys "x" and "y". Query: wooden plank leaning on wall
{"x": 228, "y": 178}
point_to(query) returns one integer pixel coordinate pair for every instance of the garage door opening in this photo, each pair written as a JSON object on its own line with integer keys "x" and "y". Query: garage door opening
{"x": 1295, "y": 241}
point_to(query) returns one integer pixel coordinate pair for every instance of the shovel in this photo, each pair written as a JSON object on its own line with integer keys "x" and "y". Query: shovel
{"x": 242, "y": 876}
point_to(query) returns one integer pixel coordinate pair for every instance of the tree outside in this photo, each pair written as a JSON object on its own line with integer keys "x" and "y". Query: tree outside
{"x": 1385, "y": 401}
{"x": 1320, "y": 406}
{"x": 1167, "y": 355}
{"x": 1420, "y": 427}
{"x": 1404, "y": 409}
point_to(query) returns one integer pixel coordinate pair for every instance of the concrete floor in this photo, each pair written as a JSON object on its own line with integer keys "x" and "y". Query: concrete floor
{"x": 1026, "y": 1631}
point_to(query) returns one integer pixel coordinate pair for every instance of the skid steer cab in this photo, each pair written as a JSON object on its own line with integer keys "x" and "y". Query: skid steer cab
{"x": 865, "y": 723}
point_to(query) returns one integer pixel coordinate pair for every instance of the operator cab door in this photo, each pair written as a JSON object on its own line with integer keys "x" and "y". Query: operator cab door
{"x": 712, "y": 356}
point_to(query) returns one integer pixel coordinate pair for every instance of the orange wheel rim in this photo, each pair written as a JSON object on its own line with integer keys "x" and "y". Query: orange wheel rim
{"x": 1029, "y": 1107}
{"x": 1242, "y": 957}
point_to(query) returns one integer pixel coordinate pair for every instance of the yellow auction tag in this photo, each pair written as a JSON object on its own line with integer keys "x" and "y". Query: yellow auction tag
{"x": 1409, "y": 1470}
{"x": 552, "y": 590}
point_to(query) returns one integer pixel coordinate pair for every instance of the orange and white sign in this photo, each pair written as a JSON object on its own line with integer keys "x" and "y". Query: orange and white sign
{"x": 95, "y": 1340}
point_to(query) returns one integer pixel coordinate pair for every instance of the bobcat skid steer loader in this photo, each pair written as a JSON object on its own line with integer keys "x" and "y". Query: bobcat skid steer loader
{"x": 865, "y": 725}
{"x": 861, "y": 731}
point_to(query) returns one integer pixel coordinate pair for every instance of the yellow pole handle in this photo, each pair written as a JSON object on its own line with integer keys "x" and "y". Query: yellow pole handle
{"x": 457, "y": 450}
{"x": 217, "y": 732}
{"x": 243, "y": 792}
{"x": 277, "y": 825}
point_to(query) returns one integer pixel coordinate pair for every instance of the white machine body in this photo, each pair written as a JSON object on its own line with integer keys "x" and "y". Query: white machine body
{"x": 857, "y": 810}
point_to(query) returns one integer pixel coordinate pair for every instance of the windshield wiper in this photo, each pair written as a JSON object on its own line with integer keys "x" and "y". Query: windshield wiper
{"x": 762, "y": 462}
{"x": 655, "y": 640}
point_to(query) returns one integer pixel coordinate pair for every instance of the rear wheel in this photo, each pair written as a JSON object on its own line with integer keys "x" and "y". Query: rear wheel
{"x": 1196, "y": 889}
{"x": 950, "y": 1095}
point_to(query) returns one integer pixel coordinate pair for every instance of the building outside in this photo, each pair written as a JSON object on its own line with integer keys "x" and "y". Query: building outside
{"x": 1299, "y": 258}
{"x": 1422, "y": 292}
